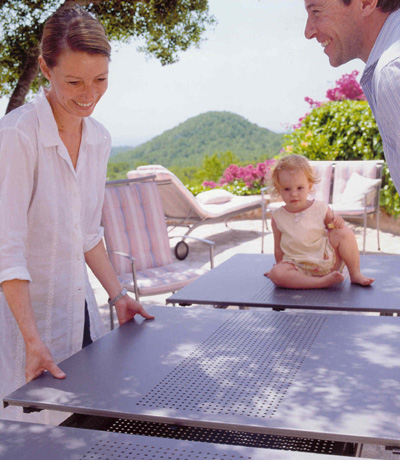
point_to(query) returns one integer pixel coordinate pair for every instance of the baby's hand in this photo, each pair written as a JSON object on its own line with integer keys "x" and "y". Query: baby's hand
{"x": 337, "y": 222}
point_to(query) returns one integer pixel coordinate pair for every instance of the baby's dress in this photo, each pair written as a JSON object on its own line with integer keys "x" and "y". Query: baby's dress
{"x": 304, "y": 240}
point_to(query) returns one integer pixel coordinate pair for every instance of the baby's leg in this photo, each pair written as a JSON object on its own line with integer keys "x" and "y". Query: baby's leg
{"x": 345, "y": 245}
{"x": 285, "y": 275}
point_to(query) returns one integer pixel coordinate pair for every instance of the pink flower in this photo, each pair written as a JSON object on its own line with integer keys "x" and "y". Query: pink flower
{"x": 347, "y": 87}
{"x": 252, "y": 176}
{"x": 211, "y": 184}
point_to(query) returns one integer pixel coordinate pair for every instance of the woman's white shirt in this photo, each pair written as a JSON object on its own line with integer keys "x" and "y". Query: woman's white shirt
{"x": 49, "y": 217}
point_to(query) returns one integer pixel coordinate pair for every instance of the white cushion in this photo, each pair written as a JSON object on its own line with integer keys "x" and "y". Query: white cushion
{"x": 356, "y": 189}
{"x": 216, "y": 196}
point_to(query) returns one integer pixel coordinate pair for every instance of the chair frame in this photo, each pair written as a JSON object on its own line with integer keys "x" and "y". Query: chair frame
{"x": 376, "y": 207}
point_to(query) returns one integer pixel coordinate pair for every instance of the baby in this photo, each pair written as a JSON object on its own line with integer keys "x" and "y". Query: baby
{"x": 311, "y": 245}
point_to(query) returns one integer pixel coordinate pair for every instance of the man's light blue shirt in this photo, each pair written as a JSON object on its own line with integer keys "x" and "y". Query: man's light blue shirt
{"x": 381, "y": 85}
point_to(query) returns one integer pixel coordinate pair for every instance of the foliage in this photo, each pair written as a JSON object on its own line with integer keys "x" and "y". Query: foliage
{"x": 164, "y": 27}
{"x": 343, "y": 130}
{"x": 214, "y": 166}
{"x": 187, "y": 144}
{"x": 116, "y": 171}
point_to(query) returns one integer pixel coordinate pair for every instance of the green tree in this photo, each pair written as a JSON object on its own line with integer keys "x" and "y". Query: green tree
{"x": 116, "y": 171}
{"x": 164, "y": 27}
{"x": 214, "y": 165}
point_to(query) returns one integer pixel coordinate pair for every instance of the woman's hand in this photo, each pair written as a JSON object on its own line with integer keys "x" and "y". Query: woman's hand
{"x": 38, "y": 360}
{"x": 127, "y": 308}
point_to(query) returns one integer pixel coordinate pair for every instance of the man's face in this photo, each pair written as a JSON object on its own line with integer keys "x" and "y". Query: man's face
{"x": 337, "y": 27}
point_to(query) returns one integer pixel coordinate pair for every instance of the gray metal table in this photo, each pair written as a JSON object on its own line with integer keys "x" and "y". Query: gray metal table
{"x": 315, "y": 375}
{"x": 239, "y": 281}
{"x": 27, "y": 441}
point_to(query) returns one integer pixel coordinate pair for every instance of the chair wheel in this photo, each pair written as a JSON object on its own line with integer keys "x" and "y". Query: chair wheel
{"x": 181, "y": 250}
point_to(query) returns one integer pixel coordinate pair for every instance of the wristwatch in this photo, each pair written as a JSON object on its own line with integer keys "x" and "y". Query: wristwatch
{"x": 113, "y": 301}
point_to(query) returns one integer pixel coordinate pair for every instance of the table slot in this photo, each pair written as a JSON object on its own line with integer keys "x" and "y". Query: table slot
{"x": 211, "y": 436}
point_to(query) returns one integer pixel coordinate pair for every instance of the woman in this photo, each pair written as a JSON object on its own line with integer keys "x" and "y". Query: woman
{"x": 53, "y": 161}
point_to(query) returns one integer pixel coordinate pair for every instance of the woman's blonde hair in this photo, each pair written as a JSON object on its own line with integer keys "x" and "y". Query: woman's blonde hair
{"x": 72, "y": 28}
{"x": 293, "y": 162}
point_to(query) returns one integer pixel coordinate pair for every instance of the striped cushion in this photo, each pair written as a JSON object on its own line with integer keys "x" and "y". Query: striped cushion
{"x": 324, "y": 173}
{"x": 171, "y": 277}
{"x": 134, "y": 223}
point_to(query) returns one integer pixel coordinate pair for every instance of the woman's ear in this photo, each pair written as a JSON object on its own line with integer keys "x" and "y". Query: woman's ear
{"x": 44, "y": 68}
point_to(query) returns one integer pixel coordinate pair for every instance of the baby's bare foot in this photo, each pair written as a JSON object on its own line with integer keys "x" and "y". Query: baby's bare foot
{"x": 359, "y": 278}
{"x": 333, "y": 278}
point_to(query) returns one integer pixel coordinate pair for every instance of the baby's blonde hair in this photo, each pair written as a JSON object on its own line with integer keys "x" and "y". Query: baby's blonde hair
{"x": 293, "y": 162}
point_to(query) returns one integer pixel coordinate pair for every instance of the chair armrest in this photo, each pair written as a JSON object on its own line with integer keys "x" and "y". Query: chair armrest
{"x": 134, "y": 274}
{"x": 122, "y": 254}
{"x": 209, "y": 242}
{"x": 203, "y": 240}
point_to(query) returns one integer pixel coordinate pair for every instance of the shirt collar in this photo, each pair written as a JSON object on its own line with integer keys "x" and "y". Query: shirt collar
{"x": 389, "y": 33}
{"x": 48, "y": 126}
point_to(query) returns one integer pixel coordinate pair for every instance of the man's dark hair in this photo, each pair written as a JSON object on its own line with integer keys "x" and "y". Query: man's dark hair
{"x": 386, "y": 6}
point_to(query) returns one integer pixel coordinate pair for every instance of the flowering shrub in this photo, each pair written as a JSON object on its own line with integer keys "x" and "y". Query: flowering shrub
{"x": 347, "y": 88}
{"x": 342, "y": 128}
{"x": 241, "y": 180}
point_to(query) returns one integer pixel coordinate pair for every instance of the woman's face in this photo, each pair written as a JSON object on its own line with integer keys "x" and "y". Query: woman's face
{"x": 78, "y": 82}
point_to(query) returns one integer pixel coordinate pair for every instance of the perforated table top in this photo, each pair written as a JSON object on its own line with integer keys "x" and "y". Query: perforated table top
{"x": 324, "y": 376}
{"x": 27, "y": 441}
{"x": 239, "y": 281}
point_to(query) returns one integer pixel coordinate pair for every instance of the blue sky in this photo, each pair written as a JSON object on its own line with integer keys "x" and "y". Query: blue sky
{"x": 256, "y": 63}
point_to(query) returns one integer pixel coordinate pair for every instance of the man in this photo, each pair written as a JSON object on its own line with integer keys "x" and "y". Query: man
{"x": 368, "y": 30}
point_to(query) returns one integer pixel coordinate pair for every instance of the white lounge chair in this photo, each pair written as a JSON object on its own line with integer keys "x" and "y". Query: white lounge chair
{"x": 183, "y": 209}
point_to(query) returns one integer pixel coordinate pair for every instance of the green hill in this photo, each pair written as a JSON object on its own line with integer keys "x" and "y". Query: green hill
{"x": 208, "y": 133}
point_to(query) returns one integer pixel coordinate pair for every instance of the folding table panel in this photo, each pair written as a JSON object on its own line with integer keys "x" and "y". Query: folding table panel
{"x": 27, "y": 441}
{"x": 315, "y": 375}
{"x": 240, "y": 281}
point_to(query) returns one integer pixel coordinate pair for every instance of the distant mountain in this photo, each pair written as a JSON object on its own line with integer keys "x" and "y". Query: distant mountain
{"x": 208, "y": 133}
{"x": 120, "y": 149}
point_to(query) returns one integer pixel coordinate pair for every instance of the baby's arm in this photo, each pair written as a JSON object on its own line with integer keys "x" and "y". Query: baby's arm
{"x": 332, "y": 221}
{"x": 277, "y": 241}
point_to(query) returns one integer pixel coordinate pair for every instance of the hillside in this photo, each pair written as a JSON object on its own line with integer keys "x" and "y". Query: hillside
{"x": 188, "y": 143}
